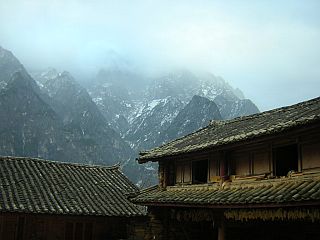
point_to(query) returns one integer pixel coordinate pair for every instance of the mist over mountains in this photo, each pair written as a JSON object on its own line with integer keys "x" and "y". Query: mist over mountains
{"x": 110, "y": 117}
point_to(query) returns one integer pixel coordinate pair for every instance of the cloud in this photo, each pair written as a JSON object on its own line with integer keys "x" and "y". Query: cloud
{"x": 250, "y": 43}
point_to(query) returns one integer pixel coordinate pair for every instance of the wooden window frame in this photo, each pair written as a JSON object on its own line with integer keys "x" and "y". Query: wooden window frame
{"x": 192, "y": 171}
{"x": 275, "y": 160}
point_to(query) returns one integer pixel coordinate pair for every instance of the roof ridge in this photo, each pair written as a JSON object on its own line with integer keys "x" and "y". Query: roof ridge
{"x": 252, "y": 126}
{"x": 237, "y": 119}
{"x": 46, "y": 161}
{"x": 141, "y": 153}
{"x": 148, "y": 189}
{"x": 225, "y": 196}
{"x": 280, "y": 109}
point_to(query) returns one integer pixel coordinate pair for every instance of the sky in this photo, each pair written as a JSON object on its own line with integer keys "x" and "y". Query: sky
{"x": 269, "y": 49}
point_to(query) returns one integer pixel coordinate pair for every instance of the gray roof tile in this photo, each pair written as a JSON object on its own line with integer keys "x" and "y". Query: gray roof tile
{"x": 288, "y": 190}
{"x": 39, "y": 186}
{"x": 239, "y": 129}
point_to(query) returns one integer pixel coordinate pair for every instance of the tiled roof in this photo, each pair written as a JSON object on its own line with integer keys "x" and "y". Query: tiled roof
{"x": 38, "y": 186}
{"x": 224, "y": 132}
{"x": 230, "y": 194}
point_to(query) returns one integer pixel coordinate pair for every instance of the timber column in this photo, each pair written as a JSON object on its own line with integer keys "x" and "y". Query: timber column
{"x": 221, "y": 231}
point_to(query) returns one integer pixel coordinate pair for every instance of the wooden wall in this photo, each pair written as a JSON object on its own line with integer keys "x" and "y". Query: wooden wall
{"x": 273, "y": 230}
{"x": 163, "y": 225}
{"x": 255, "y": 160}
{"x": 310, "y": 155}
{"x": 241, "y": 163}
{"x": 261, "y": 161}
{"x": 183, "y": 172}
{"x": 54, "y": 227}
{"x": 216, "y": 165}
{"x": 251, "y": 158}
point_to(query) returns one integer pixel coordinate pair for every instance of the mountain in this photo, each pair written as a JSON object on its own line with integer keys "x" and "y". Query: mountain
{"x": 184, "y": 85}
{"x": 109, "y": 118}
{"x": 57, "y": 120}
{"x": 78, "y": 112}
{"x": 181, "y": 84}
{"x": 195, "y": 115}
{"x": 235, "y": 108}
{"x": 29, "y": 126}
{"x": 9, "y": 64}
{"x": 143, "y": 113}
{"x": 151, "y": 120}
{"x": 115, "y": 91}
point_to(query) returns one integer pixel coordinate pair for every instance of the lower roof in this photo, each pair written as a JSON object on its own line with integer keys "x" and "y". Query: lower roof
{"x": 275, "y": 192}
{"x": 32, "y": 185}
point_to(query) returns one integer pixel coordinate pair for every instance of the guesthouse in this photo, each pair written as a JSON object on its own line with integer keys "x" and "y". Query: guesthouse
{"x": 252, "y": 177}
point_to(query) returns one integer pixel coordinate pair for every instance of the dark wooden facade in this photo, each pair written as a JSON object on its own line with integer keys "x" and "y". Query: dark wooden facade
{"x": 254, "y": 159}
{"x": 15, "y": 226}
{"x": 255, "y": 177}
{"x": 163, "y": 224}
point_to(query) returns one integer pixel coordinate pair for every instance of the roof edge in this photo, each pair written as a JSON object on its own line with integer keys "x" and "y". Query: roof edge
{"x": 142, "y": 154}
{"x": 46, "y": 161}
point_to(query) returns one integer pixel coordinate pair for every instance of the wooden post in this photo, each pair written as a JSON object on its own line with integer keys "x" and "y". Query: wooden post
{"x": 162, "y": 175}
{"x": 221, "y": 231}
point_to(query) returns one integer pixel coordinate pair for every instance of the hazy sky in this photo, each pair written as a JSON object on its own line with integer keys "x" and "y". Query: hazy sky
{"x": 269, "y": 49}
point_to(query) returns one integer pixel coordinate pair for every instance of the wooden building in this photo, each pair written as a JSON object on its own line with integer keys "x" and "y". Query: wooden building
{"x": 46, "y": 200}
{"x": 253, "y": 177}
